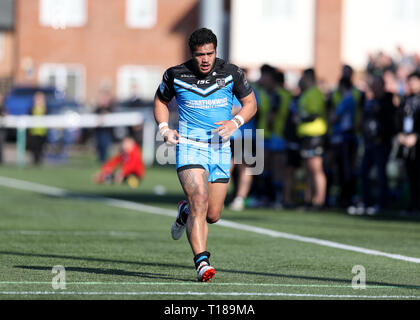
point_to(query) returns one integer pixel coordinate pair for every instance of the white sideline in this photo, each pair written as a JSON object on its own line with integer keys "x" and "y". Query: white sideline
{"x": 58, "y": 192}
{"x": 193, "y": 293}
{"x": 110, "y": 233}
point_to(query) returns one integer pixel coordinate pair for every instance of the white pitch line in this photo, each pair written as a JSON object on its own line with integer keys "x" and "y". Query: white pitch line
{"x": 44, "y": 189}
{"x": 214, "y": 284}
{"x": 192, "y": 293}
{"x": 71, "y": 233}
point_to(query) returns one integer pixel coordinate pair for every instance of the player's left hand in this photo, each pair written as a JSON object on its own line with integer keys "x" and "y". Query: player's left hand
{"x": 226, "y": 129}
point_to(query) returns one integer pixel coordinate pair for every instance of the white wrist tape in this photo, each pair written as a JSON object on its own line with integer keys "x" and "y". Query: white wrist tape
{"x": 162, "y": 129}
{"x": 163, "y": 124}
{"x": 238, "y": 120}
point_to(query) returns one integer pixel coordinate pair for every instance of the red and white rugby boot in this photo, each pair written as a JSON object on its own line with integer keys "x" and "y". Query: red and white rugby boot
{"x": 205, "y": 272}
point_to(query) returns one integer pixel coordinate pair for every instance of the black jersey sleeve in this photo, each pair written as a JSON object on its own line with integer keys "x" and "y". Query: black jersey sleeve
{"x": 241, "y": 87}
{"x": 166, "y": 91}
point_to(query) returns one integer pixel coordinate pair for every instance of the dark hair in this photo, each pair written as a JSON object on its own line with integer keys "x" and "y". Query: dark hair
{"x": 377, "y": 85}
{"x": 266, "y": 68}
{"x": 377, "y": 81}
{"x": 414, "y": 74}
{"x": 280, "y": 77}
{"x": 347, "y": 71}
{"x": 345, "y": 83}
{"x": 201, "y": 37}
{"x": 309, "y": 74}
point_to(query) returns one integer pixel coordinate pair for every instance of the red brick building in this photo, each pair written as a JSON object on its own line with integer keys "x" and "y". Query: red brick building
{"x": 88, "y": 44}
{"x": 6, "y": 44}
{"x": 83, "y": 45}
{"x": 99, "y": 45}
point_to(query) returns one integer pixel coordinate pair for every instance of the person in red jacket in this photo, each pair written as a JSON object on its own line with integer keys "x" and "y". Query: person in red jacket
{"x": 127, "y": 165}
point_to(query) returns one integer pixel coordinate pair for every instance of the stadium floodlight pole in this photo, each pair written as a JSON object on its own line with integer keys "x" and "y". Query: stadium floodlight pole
{"x": 212, "y": 16}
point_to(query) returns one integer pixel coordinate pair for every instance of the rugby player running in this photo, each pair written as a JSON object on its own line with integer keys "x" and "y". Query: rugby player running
{"x": 204, "y": 87}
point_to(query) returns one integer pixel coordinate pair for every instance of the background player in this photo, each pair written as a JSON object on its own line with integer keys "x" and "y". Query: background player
{"x": 126, "y": 165}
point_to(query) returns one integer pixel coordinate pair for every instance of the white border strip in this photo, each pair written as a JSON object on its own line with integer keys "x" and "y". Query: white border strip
{"x": 192, "y": 293}
{"x": 216, "y": 284}
{"x": 44, "y": 189}
{"x": 72, "y": 233}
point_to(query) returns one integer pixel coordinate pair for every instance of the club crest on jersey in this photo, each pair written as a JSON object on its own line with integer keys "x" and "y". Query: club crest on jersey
{"x": 220, "y": 82}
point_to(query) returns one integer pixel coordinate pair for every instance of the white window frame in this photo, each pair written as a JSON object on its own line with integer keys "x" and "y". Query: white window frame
{"x": 277, "y": 9}
{"x": 61, "y": 14}
{"x": 146, "y": 82}
{"x": 61, "y": 71}
{"x": 374, "y": 25}
{"x": 406, "y": 10}
{"x": 297, "y": 23}
{"x": 141, "y": 14}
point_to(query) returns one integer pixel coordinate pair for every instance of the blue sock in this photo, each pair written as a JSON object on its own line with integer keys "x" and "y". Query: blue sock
{"x": 199, "y": 258}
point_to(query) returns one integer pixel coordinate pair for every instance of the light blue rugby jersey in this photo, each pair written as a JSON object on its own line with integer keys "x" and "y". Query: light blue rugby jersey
{"x": 202, "y": 101}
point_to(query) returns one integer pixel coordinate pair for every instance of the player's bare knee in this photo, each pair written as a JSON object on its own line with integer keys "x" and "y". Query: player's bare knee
{"x": 212, "y": 220}
{"x": 213, "y": 216}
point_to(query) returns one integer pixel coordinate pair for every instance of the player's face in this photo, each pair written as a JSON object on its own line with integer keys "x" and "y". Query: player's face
{"x": 204, "y": 57}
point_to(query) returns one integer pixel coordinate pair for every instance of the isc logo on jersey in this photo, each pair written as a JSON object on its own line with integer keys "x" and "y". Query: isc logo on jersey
{"x": 203, "y": 82}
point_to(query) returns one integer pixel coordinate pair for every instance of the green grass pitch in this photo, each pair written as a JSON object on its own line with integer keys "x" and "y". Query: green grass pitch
{"x": 115, "y": 252}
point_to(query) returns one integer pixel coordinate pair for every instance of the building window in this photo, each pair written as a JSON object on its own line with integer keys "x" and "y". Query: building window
{"x": 139, "y": 80}
{"x": 277, "y": 9}
{"x": 407, "y": 10}
{"x": 141, "y": 13}
{"x": 61, "y": 14}
{"x": 285, "y": 20}
{"x": 69, "y": 79}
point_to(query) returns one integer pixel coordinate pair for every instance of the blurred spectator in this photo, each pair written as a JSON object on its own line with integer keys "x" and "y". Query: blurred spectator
{"x": 127, "y": 165}
{"x": 394, "y": 69}
{"x": 244, "y": 140}
{"x": 2, "y": 130}
{"x": 134, "y": 101}
{"x": 342, "y": 145}
{"x": 379, "y": 63}
{"x": 268, "y": 101}
{"x": 104, "y": 136}
{"x": 38, "y": 136}
{"x": 378, "y": 130}
{"x": 405, "y": 60}
{"x": 408, "y": 128}
{"x": 277, "y": 144}
{"x": 59, "y": 142}
{"x": 358, "y": 95}
{"x": 293, "y": 158}
{"x": 311, "y": 129}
